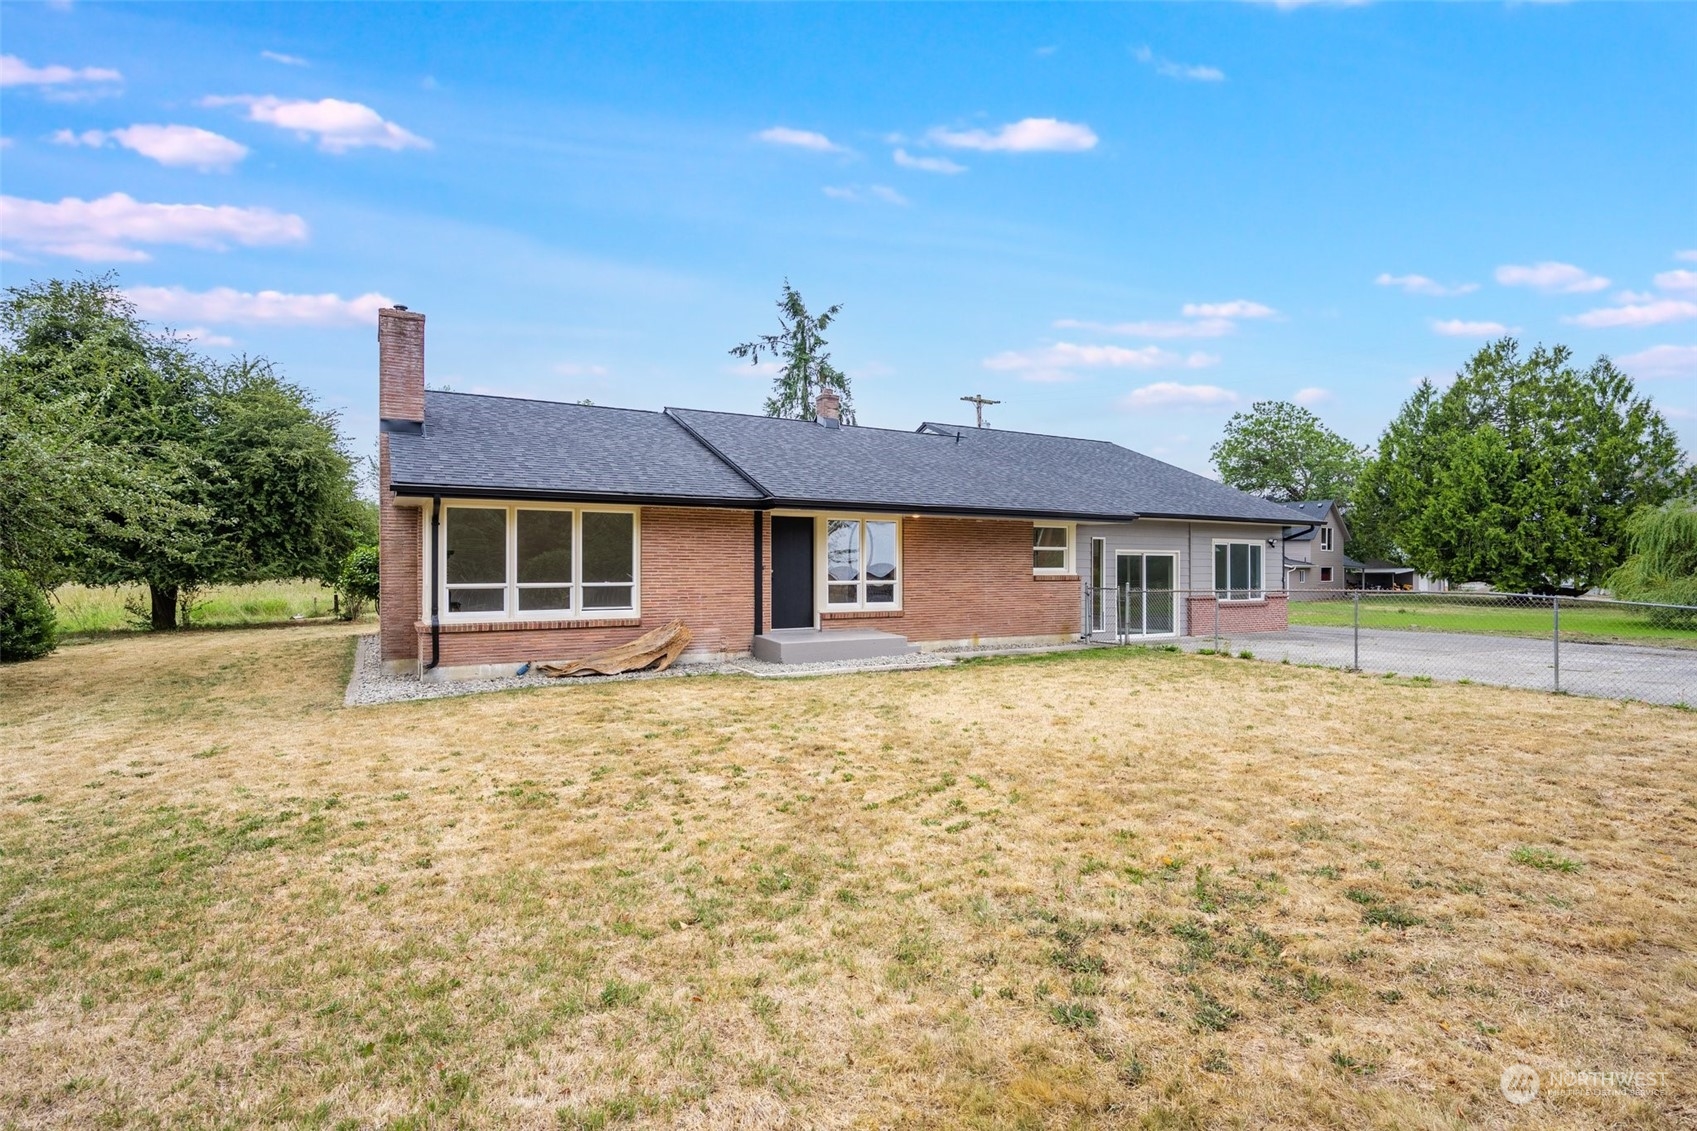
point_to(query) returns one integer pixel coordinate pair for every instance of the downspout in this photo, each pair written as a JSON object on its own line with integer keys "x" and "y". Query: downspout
{"x": 435, "y": 587}
{"x": 759, "y": 572}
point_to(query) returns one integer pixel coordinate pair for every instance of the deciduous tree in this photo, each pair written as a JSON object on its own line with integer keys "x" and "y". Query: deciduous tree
{"x": 1284, "y": 452}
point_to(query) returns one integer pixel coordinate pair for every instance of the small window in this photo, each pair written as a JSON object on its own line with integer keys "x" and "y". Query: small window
{"x": 862, "y": 563}
{"x": 609, "y": 563}
{"x": 1325, "y": 538}
{"x": 1237, "y": 571}
{"x": 1325, "y": 573}
{"x": 1049, "y": 549}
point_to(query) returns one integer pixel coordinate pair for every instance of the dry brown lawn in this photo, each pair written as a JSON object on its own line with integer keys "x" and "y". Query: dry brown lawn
{"x": 1114, "y": 889}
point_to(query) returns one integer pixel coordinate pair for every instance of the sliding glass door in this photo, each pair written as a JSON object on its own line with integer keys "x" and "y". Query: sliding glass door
{"x": 1146, "y": 600}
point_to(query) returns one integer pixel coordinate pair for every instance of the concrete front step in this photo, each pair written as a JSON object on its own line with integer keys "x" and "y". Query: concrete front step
{"x": 811, "y": 646}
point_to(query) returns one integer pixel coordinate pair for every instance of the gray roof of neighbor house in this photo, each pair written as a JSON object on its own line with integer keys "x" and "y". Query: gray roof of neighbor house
{"x": 475, "y": 444}
{"x": 506, "y": 446}
{"x": 1316, "y": 510}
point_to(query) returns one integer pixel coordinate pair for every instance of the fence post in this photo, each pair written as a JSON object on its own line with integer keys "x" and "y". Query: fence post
{"x": 1216, "y": 621}
{"x": 1355, "y": 629}
{"x": 1555, "y": 607}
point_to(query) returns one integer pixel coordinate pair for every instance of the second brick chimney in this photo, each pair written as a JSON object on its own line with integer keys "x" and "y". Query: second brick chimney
{"x": 400, "y": 369}
{"x": 828, "y": 408}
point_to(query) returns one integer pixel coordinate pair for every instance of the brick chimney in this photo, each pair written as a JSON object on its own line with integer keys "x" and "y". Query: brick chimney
{"x": 828, "y": 408}
{"x": 400, "y": 369}
{"x": 400, "y": 529}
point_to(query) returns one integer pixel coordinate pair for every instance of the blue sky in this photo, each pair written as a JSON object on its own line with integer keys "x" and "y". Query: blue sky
{"x": 1123, "y": 222}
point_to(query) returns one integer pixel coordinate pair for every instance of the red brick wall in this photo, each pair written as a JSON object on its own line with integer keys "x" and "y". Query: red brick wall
{"x": 697, "y": 566}
{"x": 398, "y": 576}
{"x": 1269, "y": 615}
{"x": 967, "y": 577}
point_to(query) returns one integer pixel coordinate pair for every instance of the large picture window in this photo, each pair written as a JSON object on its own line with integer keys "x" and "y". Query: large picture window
{"x": 1237, "y": 571}
{"x": 862, "y": 563}
{"x": 537, "y": 562}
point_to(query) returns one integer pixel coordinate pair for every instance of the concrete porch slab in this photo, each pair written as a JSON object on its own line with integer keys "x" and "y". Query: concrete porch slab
{"x": 811, "y": 646}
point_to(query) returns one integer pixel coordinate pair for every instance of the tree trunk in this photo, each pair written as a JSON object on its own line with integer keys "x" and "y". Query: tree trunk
{"x": 163, "y": 604}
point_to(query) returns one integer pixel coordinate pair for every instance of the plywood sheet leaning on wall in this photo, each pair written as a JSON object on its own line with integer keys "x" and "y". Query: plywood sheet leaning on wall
{"x": 658, "y": 649}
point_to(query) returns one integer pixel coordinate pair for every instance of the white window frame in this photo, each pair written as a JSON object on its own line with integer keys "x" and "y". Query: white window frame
{"x": 1176, "y": 593}
{"x": 1070, "y": 533}
{"x": 510, "y": 610}
{"x": 1258, "y": 592}
{"x": 1326, "y": 538}
{"x": 822, "y": 566}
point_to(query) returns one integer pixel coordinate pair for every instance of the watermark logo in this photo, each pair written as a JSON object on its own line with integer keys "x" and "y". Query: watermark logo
{"x": 1519, "y": 1083}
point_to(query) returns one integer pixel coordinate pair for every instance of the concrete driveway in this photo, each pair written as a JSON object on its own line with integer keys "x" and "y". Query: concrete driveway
{"x": 1610, "y": 671}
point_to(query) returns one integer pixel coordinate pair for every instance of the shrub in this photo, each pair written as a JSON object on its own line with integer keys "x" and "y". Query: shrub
{"x": 28, "y": 628}
{"x": 357, "y": 582}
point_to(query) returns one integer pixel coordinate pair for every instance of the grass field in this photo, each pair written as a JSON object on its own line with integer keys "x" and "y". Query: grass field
{"x": 1125, "y": 888}
{"x": 121, "y": 608}
{"x": 1585, "y": 622}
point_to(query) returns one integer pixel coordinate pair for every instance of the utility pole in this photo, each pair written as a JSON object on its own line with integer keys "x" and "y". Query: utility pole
{"x": 978, "y": 402}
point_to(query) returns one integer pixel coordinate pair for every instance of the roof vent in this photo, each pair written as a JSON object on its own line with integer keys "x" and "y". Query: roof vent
{"x": 398, "y": 306}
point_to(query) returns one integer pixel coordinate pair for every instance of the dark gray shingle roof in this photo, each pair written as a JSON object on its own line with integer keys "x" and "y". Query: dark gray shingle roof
{"x": 1313, "y": 509}
{"x": 546, "y": 448}
{"x": 504, "y": 445}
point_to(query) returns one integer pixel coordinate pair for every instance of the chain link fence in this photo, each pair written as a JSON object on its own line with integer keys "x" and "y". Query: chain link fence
{"x": 1573, "y": 645}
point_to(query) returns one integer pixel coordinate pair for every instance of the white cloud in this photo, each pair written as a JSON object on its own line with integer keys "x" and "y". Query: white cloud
{"x": 108, "y": 228}
{"x": 179, "y": 146}
{"x": 1690, "y": 256}
{"x": 800, "y": 139}
{"x": 286, "y": 60}
{"x": 1171, "y": 394}
{"x": 1028, "y": 135}
{"x": 1187, "y": 72}
{"x": 15, "y": 72}
{"x": 1637, "y": 314}
{"x": 1459, "y": 328}
{"x": 1200, "y": 328}
{"x": 1680, "y": 280}
{"x": 577, "y": 369}
{"x": 206, "y": 337}
{"x": 225, "y": 305}
{"x": 1421, "y": 285}
{"x": 1311, "y": 396}
{"x": 339, "y": 126}
{"x": 1659, "y": 362}
{"x": 855, "y": 194}
{"x": 1056, "y": 362}
{"x": 1551, "y": 278}
{"x": 1238, "y": 308}
{"x": 930, "y": 164}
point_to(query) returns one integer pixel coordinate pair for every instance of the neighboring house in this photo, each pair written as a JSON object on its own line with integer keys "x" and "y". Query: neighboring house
{"x": 1314, "y": 558}
{"x": 517, "y": 530}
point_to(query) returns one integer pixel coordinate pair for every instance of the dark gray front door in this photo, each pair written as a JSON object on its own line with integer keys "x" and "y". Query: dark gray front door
{"x": 792, "y": 572}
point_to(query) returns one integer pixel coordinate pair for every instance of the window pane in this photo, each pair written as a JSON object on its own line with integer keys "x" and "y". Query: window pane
{"x": 842, "y": 553}
{"x": 477, "y": 600}
{"x": 1221, "y": 581}
{"x": 545, "y": 548}
{"x": 1240, "y": 567}
{"x": 1130, "y": 571}
{"x": 1050, "y": 536}
{"x": 1253, "y": 581}
{"x": 880, "y": 593}
{"x": 607, "y": 548}
{"x": 606, "y": 596}
{"x": 842, "y": 594}
{"x": 477, "y": 546}
{"x": 880, "y": 552}
{"x": 551, "y": 598}
{"x": 1049, "y": 559}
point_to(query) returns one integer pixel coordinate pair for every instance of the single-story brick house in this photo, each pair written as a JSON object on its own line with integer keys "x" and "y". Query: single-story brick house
{"x": 517, "y": 530}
